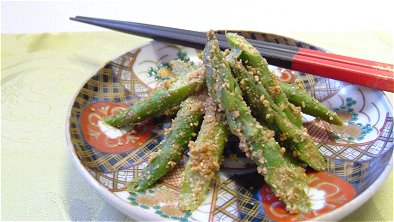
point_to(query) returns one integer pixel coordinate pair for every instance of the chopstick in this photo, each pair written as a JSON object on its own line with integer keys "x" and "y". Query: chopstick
{"x": 256, "y": 43}
{"x": 185, "y": 37}
{"x": 352, "y": 70}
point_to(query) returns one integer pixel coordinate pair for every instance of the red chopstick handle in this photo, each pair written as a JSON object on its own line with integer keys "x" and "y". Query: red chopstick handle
{"x": 346, "y": 59}
{"x": 377, "y": 78}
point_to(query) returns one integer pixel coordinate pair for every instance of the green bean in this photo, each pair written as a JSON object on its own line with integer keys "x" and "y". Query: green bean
{"x": 181, "y": 68}
{"x": 251, "y": 57}
{"x": 309, "y": 104}
{"x": 288, "y": 182}
{"x": 183, "y": 127}
{"x": 269, "y": 114}
{"x": 160, "y": 100}
{"x": 205, "y": 156}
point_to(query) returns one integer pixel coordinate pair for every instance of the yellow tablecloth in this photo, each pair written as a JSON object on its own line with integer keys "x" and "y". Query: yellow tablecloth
{"x": 40, "y": 74}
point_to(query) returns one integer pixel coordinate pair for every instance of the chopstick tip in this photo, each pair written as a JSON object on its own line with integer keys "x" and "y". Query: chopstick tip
{"x": 77, "y": 18}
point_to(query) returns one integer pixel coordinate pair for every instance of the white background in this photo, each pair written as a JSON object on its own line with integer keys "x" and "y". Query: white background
{"x": 267, "y": 16}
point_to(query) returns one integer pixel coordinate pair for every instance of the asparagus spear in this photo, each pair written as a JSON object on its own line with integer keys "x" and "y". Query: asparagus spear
{"x": 309, "y": 104}
{"x": 287, "y": 182}
{"x": 251, "y": 57}
{"x": 268, "y": 113}
{"x": 205, "y": 156}
{"x": 184, "y": 126}
{"x": 170, "y": 94}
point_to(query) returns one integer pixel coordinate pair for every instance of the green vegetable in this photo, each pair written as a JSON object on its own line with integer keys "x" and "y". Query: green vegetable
{"x": 269, "y": 114}
{"x": 287, "y": 181}
{"x": 251, "y": 57}
{"x": 180, "y": 68}
{"x": 183, "y": 127}
{"x": 309, "y": 104}
{"x": 205, "y": 156}
{"x": 159, "y": 101}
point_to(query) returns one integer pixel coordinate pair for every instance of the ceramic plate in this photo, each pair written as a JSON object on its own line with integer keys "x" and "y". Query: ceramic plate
{"x": 358, "y": 154}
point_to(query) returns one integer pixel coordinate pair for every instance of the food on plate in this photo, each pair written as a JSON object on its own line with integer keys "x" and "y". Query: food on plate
{"x": 233, "y": 92}
{"x": 183, "y": 127}
{"x": 270, "y": 114}
{"x": 205, "y": 157}
{"x": 251, "y": 57}
{"x": 170, "y": 94}
{"x": 309, "y": 105}
{"x": 257, "y": 141}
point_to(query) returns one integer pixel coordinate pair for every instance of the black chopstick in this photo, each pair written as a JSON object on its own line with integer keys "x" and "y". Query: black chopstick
{"x": 255, "y": 43}
{"x": 281, "y": 57}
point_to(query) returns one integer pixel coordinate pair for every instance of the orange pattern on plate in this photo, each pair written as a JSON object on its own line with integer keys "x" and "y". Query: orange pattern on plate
{"x": 93, "y": 113}
{"x": 337, "y": 193}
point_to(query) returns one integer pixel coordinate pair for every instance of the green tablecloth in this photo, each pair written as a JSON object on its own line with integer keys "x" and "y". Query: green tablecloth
{"x": 39, "y": 76}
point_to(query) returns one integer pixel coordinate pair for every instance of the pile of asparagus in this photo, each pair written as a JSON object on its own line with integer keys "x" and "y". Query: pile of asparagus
{"x": 233, "y": 92}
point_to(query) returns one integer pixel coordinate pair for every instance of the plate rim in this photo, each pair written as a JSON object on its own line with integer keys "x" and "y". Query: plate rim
{"x": 109, "y": 196}
{"x": 135, "y": 213}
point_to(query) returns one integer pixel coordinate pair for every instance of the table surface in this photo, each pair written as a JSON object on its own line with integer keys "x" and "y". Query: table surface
{"x": 40, "y": 73}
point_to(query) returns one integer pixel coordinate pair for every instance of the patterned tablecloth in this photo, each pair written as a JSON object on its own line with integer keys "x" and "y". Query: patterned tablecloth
{"x": 39, "y": 76}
